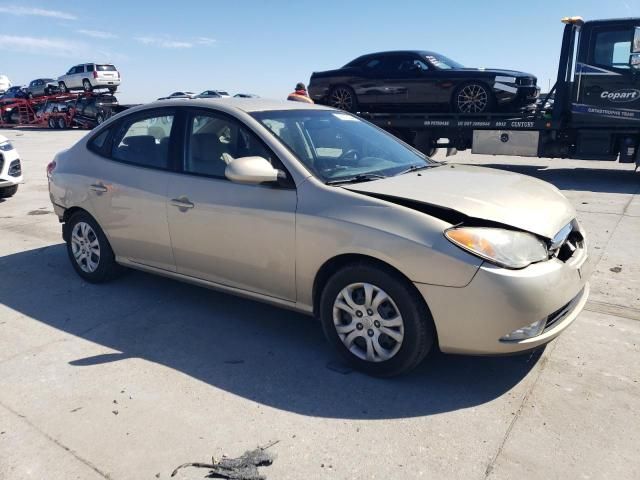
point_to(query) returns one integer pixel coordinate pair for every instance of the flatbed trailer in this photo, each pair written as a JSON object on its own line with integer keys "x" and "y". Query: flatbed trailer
{"x": 591, "y": 113}
{"x": 35, "y": 112}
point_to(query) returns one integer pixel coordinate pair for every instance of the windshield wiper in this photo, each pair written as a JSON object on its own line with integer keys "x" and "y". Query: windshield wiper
{"x": 415, "y": 168}
{"x": 363, "y": 177}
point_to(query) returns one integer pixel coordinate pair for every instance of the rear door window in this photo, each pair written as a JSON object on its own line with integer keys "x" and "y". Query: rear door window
{"x": 145, "y": 141}
{"x": 90, "y": 68}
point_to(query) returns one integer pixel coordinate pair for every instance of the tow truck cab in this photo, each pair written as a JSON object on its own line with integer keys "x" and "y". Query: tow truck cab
{"x": 598, "y": 105}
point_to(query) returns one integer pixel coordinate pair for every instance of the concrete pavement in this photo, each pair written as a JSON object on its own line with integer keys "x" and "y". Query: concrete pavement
{"x": 130, "y": 379}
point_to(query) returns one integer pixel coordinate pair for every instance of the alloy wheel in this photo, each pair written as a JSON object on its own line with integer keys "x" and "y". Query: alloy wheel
{"x": 342, "y": 98}
{"x": 85, "y": 247}
{"x": 472, "y": 99}
{"x": 368, "y": 322}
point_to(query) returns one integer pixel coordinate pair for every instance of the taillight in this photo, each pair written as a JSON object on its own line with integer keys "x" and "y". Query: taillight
{"x": 51, "y": 167}
{"x": 118, "y": 72}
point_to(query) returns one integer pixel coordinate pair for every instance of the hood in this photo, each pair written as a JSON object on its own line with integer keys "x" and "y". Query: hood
{"x": 481, "y": 193}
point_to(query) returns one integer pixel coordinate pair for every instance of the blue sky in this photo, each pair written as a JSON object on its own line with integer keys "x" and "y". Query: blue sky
{"x": 265, "y": 47}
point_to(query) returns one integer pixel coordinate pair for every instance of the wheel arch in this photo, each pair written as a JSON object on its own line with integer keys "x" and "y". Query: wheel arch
{"x": 66, "y": 216}
{"x": 334, "y": 264}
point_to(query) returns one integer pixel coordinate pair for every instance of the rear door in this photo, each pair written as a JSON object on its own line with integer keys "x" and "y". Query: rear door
{"x": 604, "y": 76}
{"x": 128, "y": 187}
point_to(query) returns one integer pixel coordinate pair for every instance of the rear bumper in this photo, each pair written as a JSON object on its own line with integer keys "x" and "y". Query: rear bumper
{"x": 105, "y": 82}
{"x": 473, "y": 319}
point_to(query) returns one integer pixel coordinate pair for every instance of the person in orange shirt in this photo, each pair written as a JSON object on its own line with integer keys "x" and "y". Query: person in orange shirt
{"x": 300, "y": 94}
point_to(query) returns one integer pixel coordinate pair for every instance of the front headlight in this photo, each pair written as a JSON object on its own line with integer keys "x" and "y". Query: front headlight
{"x": 506, "y": 248}
{"x": 6, "y": 146}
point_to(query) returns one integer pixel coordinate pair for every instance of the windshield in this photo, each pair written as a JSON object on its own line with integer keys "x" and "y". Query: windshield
{"x": 441, "y": 62}
{"x": 339, "y": 146}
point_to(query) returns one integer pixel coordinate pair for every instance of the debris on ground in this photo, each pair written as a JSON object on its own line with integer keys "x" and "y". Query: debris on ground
{"x": 616, "y": 269}
{"x": 244, "y": 467}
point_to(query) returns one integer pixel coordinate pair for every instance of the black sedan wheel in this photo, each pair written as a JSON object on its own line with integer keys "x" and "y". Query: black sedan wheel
{"x": 473, "y": 98}
{"x": 343, "y": 98}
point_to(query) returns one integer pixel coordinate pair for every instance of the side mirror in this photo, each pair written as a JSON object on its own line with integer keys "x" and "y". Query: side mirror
{"x": 251, "y": 171}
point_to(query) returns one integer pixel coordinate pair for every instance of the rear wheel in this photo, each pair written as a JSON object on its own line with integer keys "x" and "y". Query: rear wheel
{"x": 376, "y": 320}
{"x": 344, "y": 98}
{"x": 6, "y": 192}
{"x": 52, "y": 123}
{"x": 61, "y": 123}
{"x": 89, "y": 250}
{"x": 473, "y": 98}
{"x": 86, "y": 85}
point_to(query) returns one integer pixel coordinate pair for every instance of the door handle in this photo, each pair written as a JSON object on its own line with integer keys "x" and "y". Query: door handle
{"x": 182, "y": 203}
{"x": 98, "y": 187}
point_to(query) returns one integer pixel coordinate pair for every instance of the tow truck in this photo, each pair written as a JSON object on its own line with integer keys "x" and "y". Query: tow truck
{"x": 591, "y": 113}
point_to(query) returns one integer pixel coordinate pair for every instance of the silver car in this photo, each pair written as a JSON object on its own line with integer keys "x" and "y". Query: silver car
{"x": 316, "y": 210}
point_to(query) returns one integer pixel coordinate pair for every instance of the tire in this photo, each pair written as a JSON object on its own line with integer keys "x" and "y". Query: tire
{"x": 112, "y": 90}
{"x": 30, "y": 96}
{"x": 52, "y": 123}
{"x": 96, "y": 266}
{"x": 6, "y": 192}
{"x": 86, "y": 85}
{"x": 406, "y": 313}
{"x": 473, "y": 97}
{"x": 62, "y": 125}
{"x": 343, "y": 98}
{"x": 99, "y": 119}
{"x": 63, "y": 87}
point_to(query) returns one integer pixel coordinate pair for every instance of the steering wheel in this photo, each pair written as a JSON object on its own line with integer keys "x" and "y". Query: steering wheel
{"x": 352, "y": 154}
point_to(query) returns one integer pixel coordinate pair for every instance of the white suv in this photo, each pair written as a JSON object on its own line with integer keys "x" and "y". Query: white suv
{"x": 89, "y": 76}
{"x": 5, "y": 84}
{"x": 10, "y": 169}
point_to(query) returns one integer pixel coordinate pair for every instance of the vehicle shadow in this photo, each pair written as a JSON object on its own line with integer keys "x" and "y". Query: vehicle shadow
{"x": 268, "y": 355}
{"x": 581, "y": 179}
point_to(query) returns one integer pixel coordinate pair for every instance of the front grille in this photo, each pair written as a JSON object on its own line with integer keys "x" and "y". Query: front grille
{"x": 562, "y": 312}
{"x": 568, "y": 240}
{"x": 15, "y": 169}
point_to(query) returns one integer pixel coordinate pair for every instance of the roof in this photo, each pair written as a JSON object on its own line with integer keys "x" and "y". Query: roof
{"x": 401, "y": 52}
{"x": 613, "y": 20}
{"x": 245, "y": 104}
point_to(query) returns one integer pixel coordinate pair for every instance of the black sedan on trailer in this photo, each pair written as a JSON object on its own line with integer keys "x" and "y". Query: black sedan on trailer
{"x": 414, "y": 80}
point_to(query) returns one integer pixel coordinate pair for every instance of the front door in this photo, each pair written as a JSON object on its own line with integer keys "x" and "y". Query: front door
{"x": 128, "y": 190}
{"x": 242, "y": 236}
{"x": 604, "y": 77}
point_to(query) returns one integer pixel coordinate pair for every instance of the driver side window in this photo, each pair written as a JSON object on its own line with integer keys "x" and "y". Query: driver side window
{"x": 214, "y": 141}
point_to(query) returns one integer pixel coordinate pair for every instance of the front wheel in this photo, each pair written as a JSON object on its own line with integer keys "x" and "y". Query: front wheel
{"x": 343, "y": 98}
{"x": 6, "y": 192}
{"x": 89, "y": 250}
{"x": 63, "y": 87}
{"x": 473, "y": 98}
{"x": 376, "y": 320}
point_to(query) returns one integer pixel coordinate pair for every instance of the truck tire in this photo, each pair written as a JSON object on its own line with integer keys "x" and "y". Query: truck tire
{"x": 52, "y": 123}
{"x": 63, "y": 87}
{"x": 61, "y": 123}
